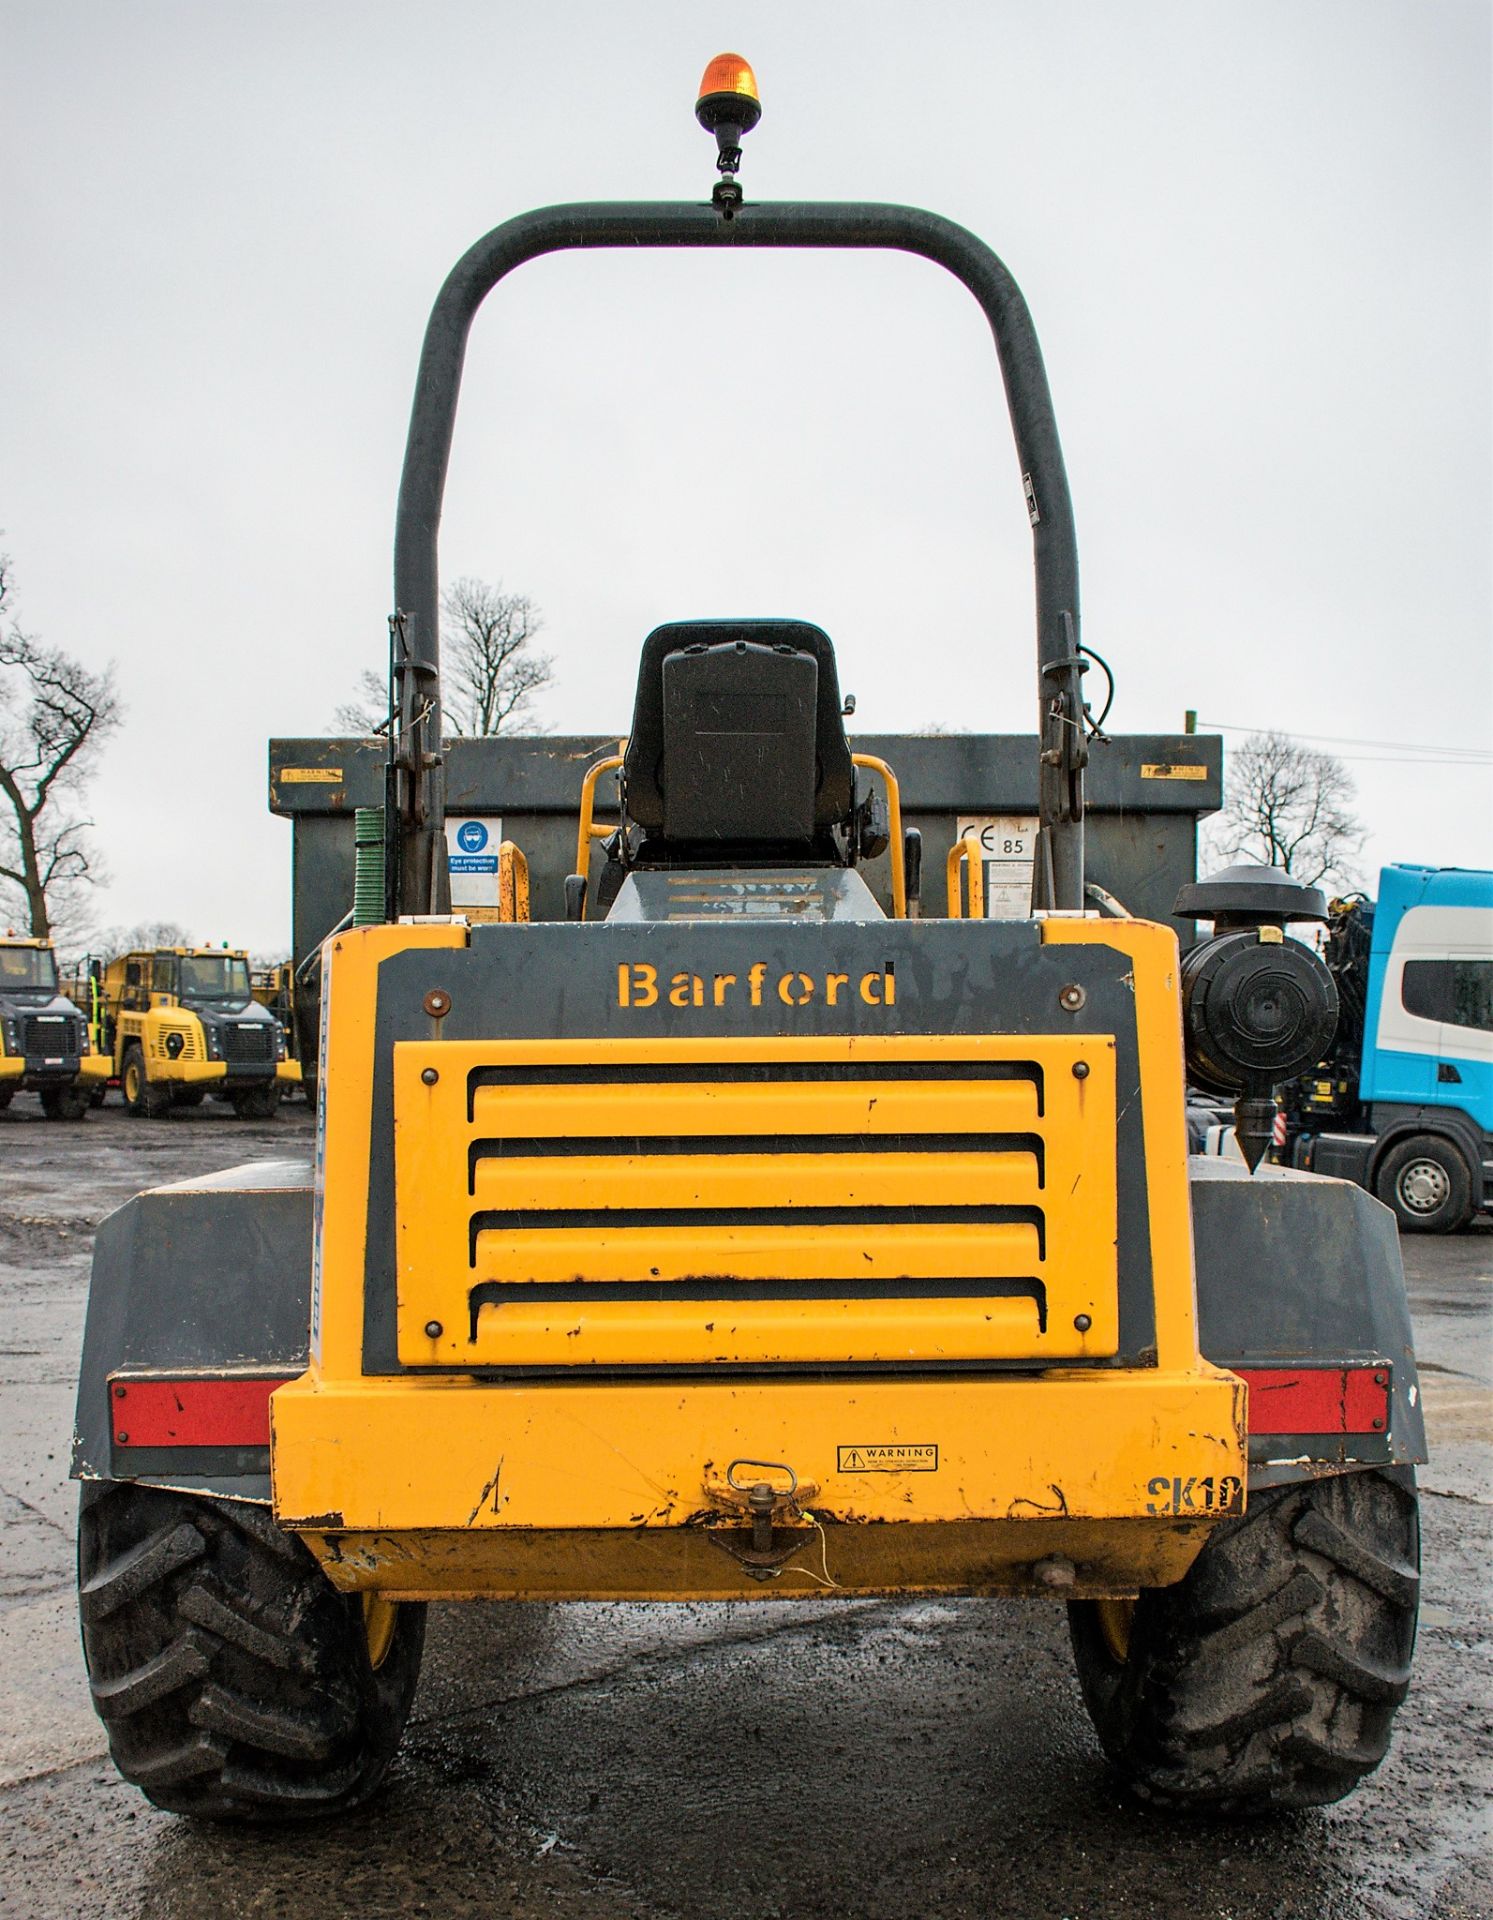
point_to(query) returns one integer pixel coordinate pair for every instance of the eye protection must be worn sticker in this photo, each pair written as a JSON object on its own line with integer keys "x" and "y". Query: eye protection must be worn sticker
{"x": 887, "y": 1459}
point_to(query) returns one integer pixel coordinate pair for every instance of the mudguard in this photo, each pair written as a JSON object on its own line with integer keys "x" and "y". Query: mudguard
{"x": 1296, "y": 1274}
{"x": 200, "y": 1279}
{"x": 1301, "y": 1274}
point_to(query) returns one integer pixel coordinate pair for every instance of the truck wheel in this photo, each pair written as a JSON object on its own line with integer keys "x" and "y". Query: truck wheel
{"x": 235, "y": 1682}
{"x": 1427, "y": 1184}
{"x": 140, "y": 1097}
{"x": 257, "y": 1103}
{"x": 1268, "y": 1677}
{"x": 64, "y": 1103}
{"x": 5, "y": 1097}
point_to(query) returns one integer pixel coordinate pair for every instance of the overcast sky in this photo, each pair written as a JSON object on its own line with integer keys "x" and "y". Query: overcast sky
{"x": 1255, "y": 239}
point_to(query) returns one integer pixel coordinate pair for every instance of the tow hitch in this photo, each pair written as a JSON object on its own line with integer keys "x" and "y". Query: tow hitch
{"x": 759, "y": 1501}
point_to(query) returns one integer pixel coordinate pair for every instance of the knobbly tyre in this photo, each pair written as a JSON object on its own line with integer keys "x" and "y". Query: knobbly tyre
{"x": 746, "y": 1236}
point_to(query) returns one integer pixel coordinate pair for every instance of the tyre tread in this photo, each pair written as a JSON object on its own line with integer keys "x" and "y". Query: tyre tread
{"x": 1395, "y": 1582}
{"x": 187, "y": 1658}
{"x": 1286, "y": 1697}
{"x": 139, "y": 1568}
{"x": 232, "y": 1678}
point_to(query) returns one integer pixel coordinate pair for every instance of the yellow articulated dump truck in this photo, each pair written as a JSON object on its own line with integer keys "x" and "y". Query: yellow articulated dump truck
{"x": 45, "y": 1045}
{"x": 749, "y": 1233}
{"x": 179, "y": 1023}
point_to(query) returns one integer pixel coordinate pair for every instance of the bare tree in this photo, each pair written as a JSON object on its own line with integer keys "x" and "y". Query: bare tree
{"x": 144, "y": 937}
{"x": 1289, "y": 806}
{"x": 54, "y": 715}
{"x": 491, "y": 674}
{"x": 368, "y": 710}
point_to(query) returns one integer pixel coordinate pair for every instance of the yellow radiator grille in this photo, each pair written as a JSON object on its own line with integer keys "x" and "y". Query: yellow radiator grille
{"x": 755, "y": 1202}
{"x": 191, "y": 1043}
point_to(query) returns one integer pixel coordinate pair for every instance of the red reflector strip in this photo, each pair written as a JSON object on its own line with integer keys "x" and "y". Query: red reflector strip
{"x": 1317, "y": 1399}
{"x": 192, "y": 1413}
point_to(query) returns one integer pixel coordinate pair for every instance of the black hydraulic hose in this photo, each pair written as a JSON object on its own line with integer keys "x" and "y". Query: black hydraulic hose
{"x": 793, "y": 224}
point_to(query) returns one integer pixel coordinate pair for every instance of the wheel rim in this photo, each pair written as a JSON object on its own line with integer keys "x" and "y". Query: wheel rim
{"x": 1115, "y": 1620}
{"x": 132, "y": 1083}
{"x": 1423, "y": 1186}
{"x": 380, "y": 1617}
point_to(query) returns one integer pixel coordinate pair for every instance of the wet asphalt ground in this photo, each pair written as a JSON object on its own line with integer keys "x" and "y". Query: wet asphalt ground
{"x": 856, "y": 1759}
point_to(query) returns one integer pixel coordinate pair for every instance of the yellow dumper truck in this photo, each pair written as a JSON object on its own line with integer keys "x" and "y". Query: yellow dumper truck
{"x": 178, "y": 1023}
{"x": 45, "y": 1045}
{"x": 745, "y": 1233}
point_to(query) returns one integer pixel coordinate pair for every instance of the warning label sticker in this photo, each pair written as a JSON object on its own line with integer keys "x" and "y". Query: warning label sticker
{"x": 888, "y": 1459}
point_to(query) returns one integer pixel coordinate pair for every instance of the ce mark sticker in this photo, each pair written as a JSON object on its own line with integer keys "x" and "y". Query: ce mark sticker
{"x": 1195, "y": 1495}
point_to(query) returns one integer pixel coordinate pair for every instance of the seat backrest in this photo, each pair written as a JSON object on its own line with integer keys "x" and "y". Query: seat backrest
{"x": 737, "y": 733}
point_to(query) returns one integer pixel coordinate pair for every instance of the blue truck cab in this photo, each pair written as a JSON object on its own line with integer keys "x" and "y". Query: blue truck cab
{"x": 1404, "y": 1103}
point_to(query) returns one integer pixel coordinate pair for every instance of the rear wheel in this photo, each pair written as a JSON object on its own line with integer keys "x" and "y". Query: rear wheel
{"x": 6, "y": 1094}
{"x": 1427, "y": 1183}
{"x": 64, "y": 1103}
{"x": 1268, "y": 1677}
{"x": 140, "y": 1096}
{"x": 235, "y": 1682}
{"x": 257, "y": 1103}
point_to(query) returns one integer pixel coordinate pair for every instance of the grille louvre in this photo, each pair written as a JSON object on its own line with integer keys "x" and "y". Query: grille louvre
{"x": 51, "y": 1035}
{"x": 761, "y": 1202}
{"x": 249, "y": 1045}
{"x": 191, "y": 1044}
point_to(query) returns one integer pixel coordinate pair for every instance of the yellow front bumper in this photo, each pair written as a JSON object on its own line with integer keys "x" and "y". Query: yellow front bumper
{"x": 196, "y": 1073}
{"x": 187, "y": 1073}
{"x": 91, "y": 1067}
{"x": 1094, "y": 1482}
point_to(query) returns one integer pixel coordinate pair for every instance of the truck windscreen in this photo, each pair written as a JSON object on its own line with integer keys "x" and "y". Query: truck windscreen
{"x": 212, "y": 976}
{"x": 27, "y": 968}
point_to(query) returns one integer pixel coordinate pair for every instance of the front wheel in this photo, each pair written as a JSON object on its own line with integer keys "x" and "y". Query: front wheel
{"x": 1267, "y": 1678}
{"x": 235, "y": 1682}
{"x": 1427, "y": 1184}
{"x": 257, "y": 1103}
{"x": 142, "y": 1096}
{"x": 64, "y": 1103}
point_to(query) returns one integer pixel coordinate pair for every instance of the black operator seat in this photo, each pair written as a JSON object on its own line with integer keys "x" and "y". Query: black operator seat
{"x": 737, "y": 741}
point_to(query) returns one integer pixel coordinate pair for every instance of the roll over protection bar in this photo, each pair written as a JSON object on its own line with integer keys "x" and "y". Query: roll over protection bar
{"x": 416, "y": 865}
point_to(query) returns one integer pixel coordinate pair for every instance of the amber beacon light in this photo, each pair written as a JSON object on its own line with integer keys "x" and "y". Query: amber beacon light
{"x": 729, "y": 108}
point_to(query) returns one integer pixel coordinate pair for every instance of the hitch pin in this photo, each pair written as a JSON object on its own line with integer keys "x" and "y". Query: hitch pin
{"x": 760, "y": 1505}
{"x": 762, "y": 1497}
